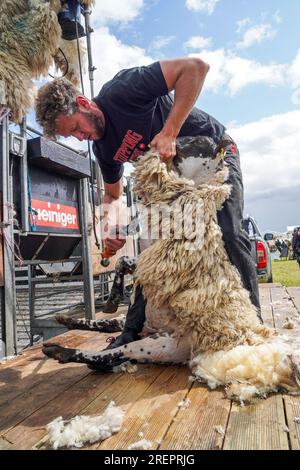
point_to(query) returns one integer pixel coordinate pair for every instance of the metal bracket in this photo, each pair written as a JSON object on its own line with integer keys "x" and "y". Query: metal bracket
{"x": 17, "y": 144}
{"x": 5, "y": 224}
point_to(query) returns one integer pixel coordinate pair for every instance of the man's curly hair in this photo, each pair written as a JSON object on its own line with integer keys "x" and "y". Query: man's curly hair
{"x": 54, "y": 98}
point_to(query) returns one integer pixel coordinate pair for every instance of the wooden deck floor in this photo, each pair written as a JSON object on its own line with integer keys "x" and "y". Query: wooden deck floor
{"x": 34, "y": 390}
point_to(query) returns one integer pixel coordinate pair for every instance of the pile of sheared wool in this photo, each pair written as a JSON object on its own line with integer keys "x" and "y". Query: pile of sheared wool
{"x": 248, "y": 371}
{"x": 81, "y": 430}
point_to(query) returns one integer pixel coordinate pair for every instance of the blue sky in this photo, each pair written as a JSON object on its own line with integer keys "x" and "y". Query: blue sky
{"x": 172, "y": 23}
{"x": 253, "y": 87}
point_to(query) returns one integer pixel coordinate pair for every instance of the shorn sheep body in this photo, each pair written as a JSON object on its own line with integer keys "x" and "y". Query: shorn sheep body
{"x": 197, "y": 310}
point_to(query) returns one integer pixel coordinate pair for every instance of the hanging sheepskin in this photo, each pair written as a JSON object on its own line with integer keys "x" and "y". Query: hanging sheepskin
{"x": 30, "y": 40}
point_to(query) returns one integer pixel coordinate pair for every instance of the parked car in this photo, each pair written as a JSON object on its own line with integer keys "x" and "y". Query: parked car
{"x": 260, "y": 250}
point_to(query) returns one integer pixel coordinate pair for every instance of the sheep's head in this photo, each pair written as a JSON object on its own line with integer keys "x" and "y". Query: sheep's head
{"x": 154, "y": 183}
{"x": 175, "y": 199}
{"x": 200, "y": 159}
{"x": 198, "y": 165}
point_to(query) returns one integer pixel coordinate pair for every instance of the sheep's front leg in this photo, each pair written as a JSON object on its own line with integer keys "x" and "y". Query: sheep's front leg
{"x": 125, "y": 265}
{"x": 158, "y": 349}
{"x": 111, "y": 325}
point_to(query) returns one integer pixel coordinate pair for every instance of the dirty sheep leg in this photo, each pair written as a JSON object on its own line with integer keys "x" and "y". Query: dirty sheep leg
{"x": 125, "y": 265}
{"x": 158, "y": 349}
{"x": 106, "y": 326}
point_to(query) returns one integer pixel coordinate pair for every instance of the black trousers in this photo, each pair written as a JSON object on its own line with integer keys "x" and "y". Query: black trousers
{"x": 236, "y": 240}
{"x": 237, "y": 245}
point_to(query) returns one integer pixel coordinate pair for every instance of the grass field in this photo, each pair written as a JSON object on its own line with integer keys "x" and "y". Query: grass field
{"x": 286, "y": 272}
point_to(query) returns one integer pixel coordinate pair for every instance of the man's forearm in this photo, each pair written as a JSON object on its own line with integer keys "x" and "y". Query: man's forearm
{"x": 187, "y": 88}
{"x": 112, "y": 198}
{"x": 111, "y": 207}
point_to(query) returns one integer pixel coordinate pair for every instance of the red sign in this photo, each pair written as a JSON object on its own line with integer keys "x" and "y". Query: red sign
{"x": 50, "y": 214}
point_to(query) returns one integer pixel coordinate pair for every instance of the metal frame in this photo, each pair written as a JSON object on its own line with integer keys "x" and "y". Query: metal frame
{"x": 9, "y": 307}
{"x": 9, "y": 304}
{"x": 87, "y": 255}
{"x": 9, "y": 293}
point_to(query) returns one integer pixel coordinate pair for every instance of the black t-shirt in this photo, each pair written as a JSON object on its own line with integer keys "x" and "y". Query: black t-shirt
{"x": 136, "y": 104}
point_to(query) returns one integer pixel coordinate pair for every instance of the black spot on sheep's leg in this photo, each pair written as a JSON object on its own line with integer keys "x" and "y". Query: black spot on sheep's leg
{"x": 106, "y": 326}
{"x": 159, "y": 349}
{"x": 149, "y": 349}
{"x": 99, "y": 360}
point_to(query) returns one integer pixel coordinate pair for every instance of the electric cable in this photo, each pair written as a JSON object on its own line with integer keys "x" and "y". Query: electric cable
{"x": 67, "y": 65}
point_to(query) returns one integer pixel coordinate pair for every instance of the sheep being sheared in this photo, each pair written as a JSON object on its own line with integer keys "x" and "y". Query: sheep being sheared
{"x": 197, "y": 310}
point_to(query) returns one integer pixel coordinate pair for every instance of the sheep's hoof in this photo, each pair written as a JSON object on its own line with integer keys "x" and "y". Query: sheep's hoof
{"x": 110, "y": 307}
{"x": 68, "y": 322}
{"x": 62, "y": 355}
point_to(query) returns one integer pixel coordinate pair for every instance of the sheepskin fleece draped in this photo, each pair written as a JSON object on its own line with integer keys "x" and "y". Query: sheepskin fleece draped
{"x": 29, "y": 33}
{"x": 199, "y": 288}
{"x": 30, "y": 39}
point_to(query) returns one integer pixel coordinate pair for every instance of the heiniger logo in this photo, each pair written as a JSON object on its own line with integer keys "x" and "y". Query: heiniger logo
{"x": 49, "y": 214}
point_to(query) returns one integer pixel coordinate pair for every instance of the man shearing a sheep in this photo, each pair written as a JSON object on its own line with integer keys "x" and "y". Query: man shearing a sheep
{"x": 132, "y": 112}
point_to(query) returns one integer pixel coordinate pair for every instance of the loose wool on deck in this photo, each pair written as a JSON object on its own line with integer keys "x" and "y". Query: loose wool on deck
{"x": 248, "y": 371}
{"x": 81, "y": 430}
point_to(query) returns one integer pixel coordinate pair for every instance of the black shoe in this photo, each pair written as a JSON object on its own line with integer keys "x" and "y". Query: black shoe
{"x": 134, "y": 323}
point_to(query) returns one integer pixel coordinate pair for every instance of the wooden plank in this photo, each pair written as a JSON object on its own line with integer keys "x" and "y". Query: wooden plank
{"x": 283, "y": 307}
{"x": 52, "y": 383}
{"x": 257, "y": 427}
{"x": 152, "y": 412}
{"x": 19, "y": 379}
{"x": 30, "y": 431}
{"x": 200, "y": 425}
{"x": 62, "y": 339}
{"x": 75, "y": 401}
{"x": 268, "y": 285}
{"x": 294, "y": 292}
{"x": 30, "y": 352}
{"x": 292, "y": 406}
{"x": 262, "y": 426}
{"x": 266, "y": 308}
{"x": 291, "y": 308}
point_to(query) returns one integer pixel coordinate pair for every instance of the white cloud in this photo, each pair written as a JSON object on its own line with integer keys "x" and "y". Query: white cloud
{"x": 203, "y": 6}
{"x": 198, "y": 42}
{"x": 277, "y": 18}
{"x": 111, "y": 55}
{"x": 294, "y": 72}
{"x": 241, "y": 24}
{"x": 257, "y": 34}
{"x": 296, "y": 97}
{"x": 268, "y": 151}
{"x": 116, "y": 11}
{"x": 159, "y": 42}
{"x": 230, "y": 73}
